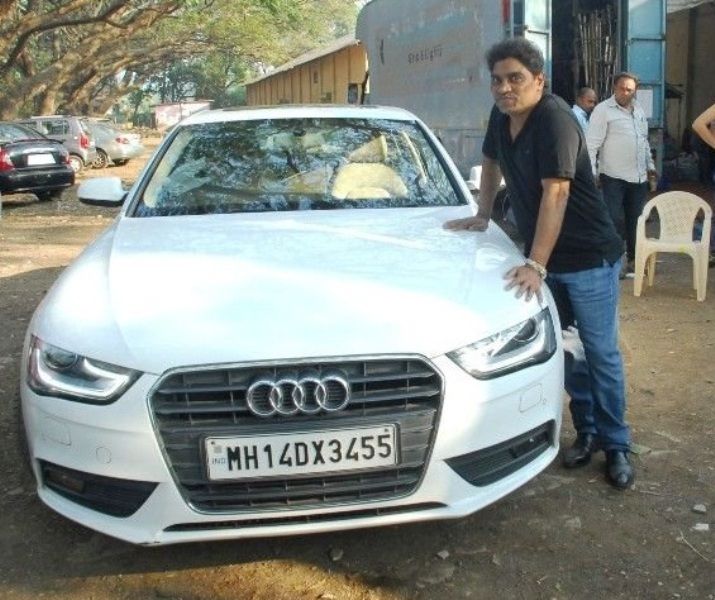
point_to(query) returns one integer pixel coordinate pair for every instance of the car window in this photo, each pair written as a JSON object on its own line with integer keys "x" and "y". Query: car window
{"x": 98, "y": 129}
{"x": 34, "y": 125}
{"x": 296, "y": 164}
{"x": 86, "y": 126}
{"x": 89, "y": 127}
{"x": 56, "y": 126}
{"x": 14, "y": 133}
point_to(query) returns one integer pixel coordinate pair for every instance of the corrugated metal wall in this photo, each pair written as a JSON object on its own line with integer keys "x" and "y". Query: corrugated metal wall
{"x": 324, "y": 80}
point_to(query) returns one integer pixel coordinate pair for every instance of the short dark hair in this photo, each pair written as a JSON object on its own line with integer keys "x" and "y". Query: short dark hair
{"x": 626, "y": 75}
{"x": 521, "y": 49}
{"x": 583, "y": 91}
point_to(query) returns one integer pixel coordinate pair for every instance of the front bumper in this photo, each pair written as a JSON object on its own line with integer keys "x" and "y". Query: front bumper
{"x": 491, "y": 438}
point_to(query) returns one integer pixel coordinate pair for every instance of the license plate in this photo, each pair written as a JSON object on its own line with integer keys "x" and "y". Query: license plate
{"x": 291, "y": 454}
{"x": 40, "y": 159}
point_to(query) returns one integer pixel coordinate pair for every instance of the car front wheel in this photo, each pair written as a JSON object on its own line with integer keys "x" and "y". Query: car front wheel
{"x": 101, "y": 161}
{"x": 76, "y": 163}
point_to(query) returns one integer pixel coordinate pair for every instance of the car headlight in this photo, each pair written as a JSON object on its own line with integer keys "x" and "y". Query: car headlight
{"x": 529, "y": 343}
{"x": 53, "y": 371}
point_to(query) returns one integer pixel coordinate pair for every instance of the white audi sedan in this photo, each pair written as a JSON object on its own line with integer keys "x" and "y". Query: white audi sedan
{"x": 277, "y": 336}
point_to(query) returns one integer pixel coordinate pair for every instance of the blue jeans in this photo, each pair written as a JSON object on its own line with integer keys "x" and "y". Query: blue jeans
{"x": 594, "y": 381}
{"x": 625, "y": 202}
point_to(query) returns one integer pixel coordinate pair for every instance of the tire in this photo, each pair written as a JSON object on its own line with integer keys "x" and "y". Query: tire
{"x": 121, "y": 161}
{"x": 76, "y": 163}
{"x": 102, "y": 160}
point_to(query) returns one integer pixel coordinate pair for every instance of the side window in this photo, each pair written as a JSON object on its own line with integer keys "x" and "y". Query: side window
{"x": 56, "y": 127}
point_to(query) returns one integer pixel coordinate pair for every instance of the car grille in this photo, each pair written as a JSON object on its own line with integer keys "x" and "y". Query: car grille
{"x": 190, "y": 405}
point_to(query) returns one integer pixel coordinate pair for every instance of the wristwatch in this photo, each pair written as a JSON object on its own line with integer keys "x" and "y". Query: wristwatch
{"x": 538, "y": 267}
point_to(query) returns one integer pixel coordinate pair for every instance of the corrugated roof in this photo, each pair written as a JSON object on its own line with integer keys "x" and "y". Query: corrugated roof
{"x": 676, "y": 5}
{"x": 342, "y": 42}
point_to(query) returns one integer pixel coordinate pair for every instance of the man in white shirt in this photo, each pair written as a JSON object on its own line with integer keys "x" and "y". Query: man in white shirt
{"x": 586, "y": 99}
{"x": 617, "y": 140}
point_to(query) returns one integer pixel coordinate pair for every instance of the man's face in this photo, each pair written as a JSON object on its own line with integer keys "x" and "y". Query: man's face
{"x": 624, "y": 91}
{"x": 514, "y": 88}
{"x": 587, "y": 101}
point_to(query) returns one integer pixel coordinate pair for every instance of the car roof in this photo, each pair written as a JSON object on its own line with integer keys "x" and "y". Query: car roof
{"x": 298, "y": 111}
{"x": 55, "y": 117}
{"x": 22, "y": 124}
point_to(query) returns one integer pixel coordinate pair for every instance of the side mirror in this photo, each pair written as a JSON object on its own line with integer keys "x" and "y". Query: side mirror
{"x": 102, "y": 191}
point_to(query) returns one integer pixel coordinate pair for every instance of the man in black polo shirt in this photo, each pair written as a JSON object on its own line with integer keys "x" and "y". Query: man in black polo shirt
{"x": 535, "y": 142}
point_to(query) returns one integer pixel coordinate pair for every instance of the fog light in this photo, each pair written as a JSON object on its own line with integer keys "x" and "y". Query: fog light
{"x": 63, "y": 479}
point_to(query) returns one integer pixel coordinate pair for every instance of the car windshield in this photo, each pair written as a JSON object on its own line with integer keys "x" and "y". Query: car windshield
{"x": 105, "y": 129}
{"x": 16, "y": 133}
{"x": 296, "y": 164}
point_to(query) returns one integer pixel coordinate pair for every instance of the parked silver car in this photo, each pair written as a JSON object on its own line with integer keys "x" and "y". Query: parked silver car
{"x": 71, "y": 131}
{"x": 113, "y": 146}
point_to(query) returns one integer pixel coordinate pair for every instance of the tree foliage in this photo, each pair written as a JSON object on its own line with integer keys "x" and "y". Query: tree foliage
{"x": 83, "y": 55}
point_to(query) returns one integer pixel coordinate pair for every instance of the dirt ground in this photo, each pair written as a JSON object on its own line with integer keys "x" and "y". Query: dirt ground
{"x": 564, "y": 535}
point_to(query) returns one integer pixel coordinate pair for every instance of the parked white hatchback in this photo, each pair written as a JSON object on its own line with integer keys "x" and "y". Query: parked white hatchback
{"x": 276, "y": 336}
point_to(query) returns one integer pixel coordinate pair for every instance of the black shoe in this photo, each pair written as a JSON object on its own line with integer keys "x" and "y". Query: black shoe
{"x": 619, "y": 472}
{"x": 579, "y": 454}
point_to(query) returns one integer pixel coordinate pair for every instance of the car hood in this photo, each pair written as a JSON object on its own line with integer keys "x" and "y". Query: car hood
{"x": 160, "y": 292}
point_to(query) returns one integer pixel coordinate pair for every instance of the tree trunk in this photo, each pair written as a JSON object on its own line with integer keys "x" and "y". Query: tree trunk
{"x": 48, "y": 102}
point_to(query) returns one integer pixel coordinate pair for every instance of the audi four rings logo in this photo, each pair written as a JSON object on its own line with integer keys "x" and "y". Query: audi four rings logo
{"x": 291, "y": 393}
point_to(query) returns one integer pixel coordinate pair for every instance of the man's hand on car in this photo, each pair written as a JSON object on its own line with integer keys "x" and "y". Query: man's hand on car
{"x": 526, "y": 280}
{"x": 475, "y": 223}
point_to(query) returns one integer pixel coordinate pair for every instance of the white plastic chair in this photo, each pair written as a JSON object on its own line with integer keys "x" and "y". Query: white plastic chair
{"x": 475, "y": 179}
{"x": 678, "y": 212}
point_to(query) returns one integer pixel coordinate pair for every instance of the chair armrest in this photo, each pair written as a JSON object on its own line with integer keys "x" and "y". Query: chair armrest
{"x": 640, "y": 225}
{"x": 647, "y": 209}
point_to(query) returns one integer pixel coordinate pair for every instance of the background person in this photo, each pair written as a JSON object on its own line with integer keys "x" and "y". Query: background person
{"x": 534, "y": 141}
{"x": 702, "y": 126}
{"x": 586, "y": 100}
{"x": 617, "y": 140}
